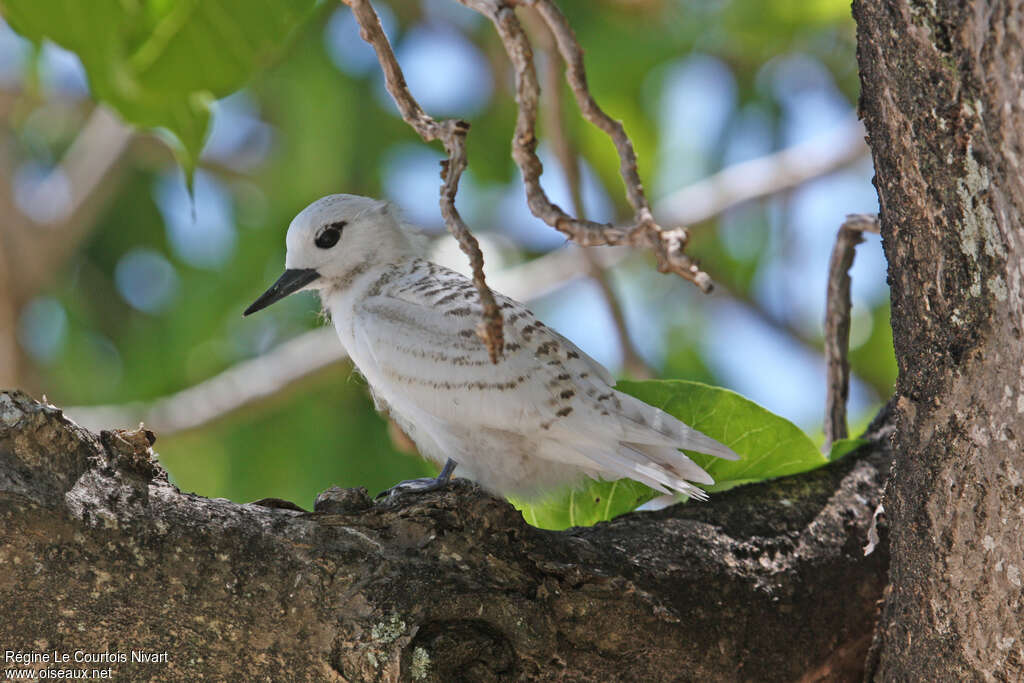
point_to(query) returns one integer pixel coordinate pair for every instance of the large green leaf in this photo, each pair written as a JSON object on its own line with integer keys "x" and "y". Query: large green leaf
{"x": 160, "y": 63}
{"x": 769, "y": 446}
{"x": 595, "y": 502}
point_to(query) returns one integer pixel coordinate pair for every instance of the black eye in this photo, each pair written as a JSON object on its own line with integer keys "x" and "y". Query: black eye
{"x": 330, "y": 235}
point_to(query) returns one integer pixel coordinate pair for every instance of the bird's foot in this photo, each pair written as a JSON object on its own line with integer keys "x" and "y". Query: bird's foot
{"x": 421, "y": 485}
{"x": 413, "y": 486}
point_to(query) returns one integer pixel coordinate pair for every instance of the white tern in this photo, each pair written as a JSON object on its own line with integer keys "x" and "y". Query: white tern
{"x": 544, "y": 417}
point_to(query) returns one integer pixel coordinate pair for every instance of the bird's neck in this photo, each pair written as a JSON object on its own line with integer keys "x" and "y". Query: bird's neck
{"x": 344, "y": 291}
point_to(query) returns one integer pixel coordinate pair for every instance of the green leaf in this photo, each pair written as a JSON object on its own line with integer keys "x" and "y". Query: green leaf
{"x": 596, "y": 501}
{"x": 160, "y": 63}
{"x": 769, "y": 445}
{"x": 844, "y": 447}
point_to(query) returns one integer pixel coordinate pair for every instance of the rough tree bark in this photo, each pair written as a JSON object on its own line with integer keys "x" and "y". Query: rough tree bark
{"x": 941, "y": 98}
{"x": 99, "y": 553}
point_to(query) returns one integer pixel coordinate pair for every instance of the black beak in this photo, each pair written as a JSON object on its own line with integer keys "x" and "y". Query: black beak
{"x": 291, "y": 281}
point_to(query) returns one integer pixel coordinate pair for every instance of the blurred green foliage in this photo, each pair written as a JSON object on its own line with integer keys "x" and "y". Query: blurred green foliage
{"x": 161, "y": 63}
{"x": 329, "y": 129}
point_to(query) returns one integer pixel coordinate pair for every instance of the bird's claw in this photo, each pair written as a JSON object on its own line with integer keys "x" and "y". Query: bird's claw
{"x": 413, "y": 486}
{"x": 423, "y": 485}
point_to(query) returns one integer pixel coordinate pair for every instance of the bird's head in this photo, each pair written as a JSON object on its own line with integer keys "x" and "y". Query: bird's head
{"x": 332, "y": 238}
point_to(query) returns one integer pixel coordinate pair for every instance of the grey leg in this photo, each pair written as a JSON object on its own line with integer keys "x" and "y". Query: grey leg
{"x": 423, "y": 485}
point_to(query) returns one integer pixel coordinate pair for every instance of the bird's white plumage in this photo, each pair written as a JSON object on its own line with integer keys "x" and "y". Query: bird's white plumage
{"x": 544, "y": 417}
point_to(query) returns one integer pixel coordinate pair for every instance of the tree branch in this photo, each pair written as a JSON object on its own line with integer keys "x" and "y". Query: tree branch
{"x": 443, "y": 586}
{"x": 837, "y": 322}
{"x": 566, "y": 153}
{"x": 642, "y": 231}
{"x": 452, "y": 133}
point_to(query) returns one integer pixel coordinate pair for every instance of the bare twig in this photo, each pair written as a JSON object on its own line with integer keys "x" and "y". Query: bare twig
{"x": 765, "y": 176}
{"x": 452, "y": 133}
{"x": 643, "y": 231}
{"x": 554, "y": 123}
{"x": 837, "y": 322}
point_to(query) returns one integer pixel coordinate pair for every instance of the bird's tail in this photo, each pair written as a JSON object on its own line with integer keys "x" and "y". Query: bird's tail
{"x": 645, "y": 424}
{"x": 647, "y": 449}
{"x": 661, "y": 467}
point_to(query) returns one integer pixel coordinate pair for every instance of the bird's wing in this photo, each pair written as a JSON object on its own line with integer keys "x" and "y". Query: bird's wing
{"x": 420, "y": 333}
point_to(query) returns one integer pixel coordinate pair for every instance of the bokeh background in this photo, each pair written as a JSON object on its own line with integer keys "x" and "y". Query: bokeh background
{"x": 128, "y": 293}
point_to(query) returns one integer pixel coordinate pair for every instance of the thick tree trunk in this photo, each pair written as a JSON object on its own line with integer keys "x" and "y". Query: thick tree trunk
{"x": 100, "y": 554}
{"x": 942, "y": 85}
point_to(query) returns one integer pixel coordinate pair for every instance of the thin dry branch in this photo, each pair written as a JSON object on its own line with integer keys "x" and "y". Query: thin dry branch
{"x": 565, "y": 151}
{"x": 572, "y": 55}
{"x": 452, "y": 133}
{"x": 643, "y": 231}
{"x": 837, "y": 322}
